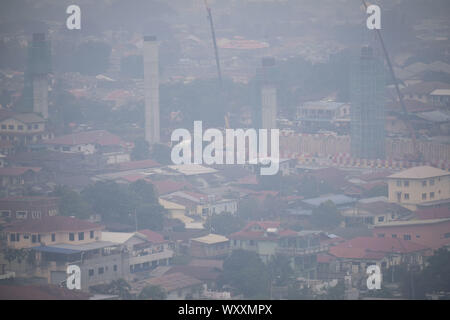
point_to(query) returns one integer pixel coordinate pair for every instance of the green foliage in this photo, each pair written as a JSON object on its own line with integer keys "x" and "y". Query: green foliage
{"x": 119, "y": 203}
{"x": 337, "y": 292}
{"x": 118, "y": 287}
{"x": 112, "y": 201}
{"x": 434, "y": 278}
{"x": 152, "y": 292}
{"x": 141, "y": 150}
{"x": 377, "y": 191}
{"x": 71, "y": 203}
{"x": 224, "y": 223}
{"x": 244, "y": 271}
{"x": 280, "y": 270}
{"x": 326, "y": 215}
{"x": 161, "y": 153}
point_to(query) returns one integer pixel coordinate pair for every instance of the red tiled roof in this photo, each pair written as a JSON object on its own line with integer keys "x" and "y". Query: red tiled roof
{"x": 248, "y": 233}
{"x": 152, "y": 236}
{"x": 374, "y": 248}
{"x": 169, "y": 186}
{"x": 17, "y": 171}
{"x": 40, "y": 292}
{"x": 100, "y": 137}
{"x": 52, "y": 224}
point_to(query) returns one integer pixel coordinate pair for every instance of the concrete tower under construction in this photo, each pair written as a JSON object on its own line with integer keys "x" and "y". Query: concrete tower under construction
{"x": 265, "y": 112}
{"x": 36, "y": 76}
{"x": 368, "y": 106}
{"x": 151, "y": 87}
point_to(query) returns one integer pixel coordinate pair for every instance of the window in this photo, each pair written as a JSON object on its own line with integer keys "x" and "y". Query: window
{"x": 101, "y": 270}
{"x": 406, "y": 183}
{"x": 71, "y": 236}
{"x": 11, "y": 127}
{"x": 33, "y": 238}
{"x": 91, "y": 272}
{"x": 12, "y": 237}
{"x": 21, "y": 214}
{"x": 407, "y": 237}
{"x": 36, "y": 126}
{"x": 115, "y": 267}
{"x": 5, "y": 214}
{"x": 91, "y": 234}
{"x": 381, "y": 235}
{"x": 424, "y": 183}
{"x": 29, "y": 127}
{"x": 66, "y": 148}
{"x": 394, "y": 236}
{"x": 406, "y": 196}
{"x": 431, "y": 195}
{"x": 26, "y": 236}
{"x": 380, "y": 219}
{"x": 432, "y": 182}
{"x": 3, "y": 126}
{"x": 20, "y": 127}
{"x": 424, "y": 196}
{"x": 80, "y": 235}
{"x": 53, "y": 237}
{"x": 418, "y": 236}
{"x": 399, "y": 183}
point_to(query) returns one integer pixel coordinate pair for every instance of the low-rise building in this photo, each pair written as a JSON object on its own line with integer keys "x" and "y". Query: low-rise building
{"x": 419, "y": 186}
{"x": 28, "y": 207}
{"x": 210, "y": 246}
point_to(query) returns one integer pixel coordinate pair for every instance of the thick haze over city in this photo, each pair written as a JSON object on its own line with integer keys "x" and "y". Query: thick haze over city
{"x": 224, "y": 150}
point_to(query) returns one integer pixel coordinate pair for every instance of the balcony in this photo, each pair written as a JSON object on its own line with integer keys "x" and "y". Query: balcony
{"x": 289, "y": 251}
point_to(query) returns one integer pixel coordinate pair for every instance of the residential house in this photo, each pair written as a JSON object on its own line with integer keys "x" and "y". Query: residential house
{"x": 209, "y": 246}
{"x": 28, "y": 207}
{"x": 268, "y": 239}
{"x": 420, "y": 187}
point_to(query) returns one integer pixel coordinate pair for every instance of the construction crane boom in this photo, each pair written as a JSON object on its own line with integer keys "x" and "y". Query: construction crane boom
{"x": 397, "y": 89}
{"x": 213, "y": 34}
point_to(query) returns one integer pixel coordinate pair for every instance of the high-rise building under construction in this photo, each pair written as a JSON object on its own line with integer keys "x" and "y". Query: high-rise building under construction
{"x": 36, "y": 76}
{"x": 368, "y": 106}
{"x": 265, "y": 109}
{"x": 151, "y": 87}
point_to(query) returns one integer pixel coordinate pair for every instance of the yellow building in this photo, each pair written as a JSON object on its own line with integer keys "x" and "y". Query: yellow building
{"x": 419, "y": 186}
{"x": 51, "y": 230}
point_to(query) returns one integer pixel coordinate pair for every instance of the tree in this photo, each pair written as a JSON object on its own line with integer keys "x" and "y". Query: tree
{"x": 152, "y": 292}
{"x": 118, "y": 287}
{"x": 161, "y": 153}
{"x": 246, "y": 272}
{"x": 224, "y": 223}
{"x": 337, "y": 292}
{"x": 280, "y": 270}
{"x": 71, "y": 203}
{"x": 150, "y": 216}
{"x": 434, "y": 278}
{"x": 326, "y": 215}
{"x": 113, "y": 201}
{"x": 141, "y": 150}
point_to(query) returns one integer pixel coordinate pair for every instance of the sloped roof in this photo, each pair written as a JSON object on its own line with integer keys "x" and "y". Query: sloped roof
{"x": 52, "y": 224}
{"x": 100, "y": 137}
{"x": 421, "y": 172}
{"x": 152, "y": 236}
{"x": 211, "y": 239}
{"x": 40, "y": 292}
{"x": 17, "y": 171}
{"x": 374, "y": 248}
